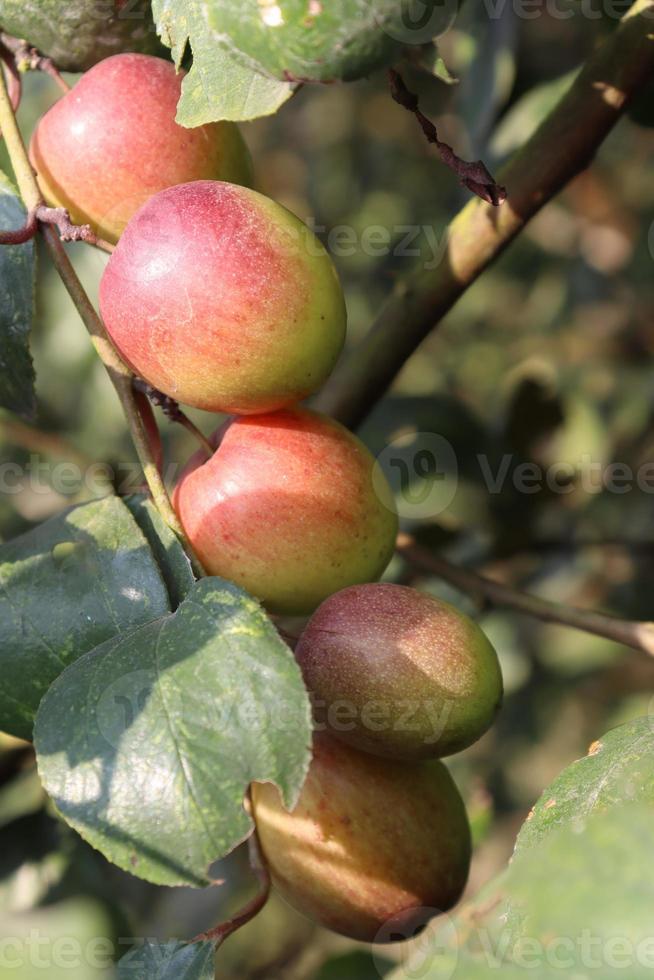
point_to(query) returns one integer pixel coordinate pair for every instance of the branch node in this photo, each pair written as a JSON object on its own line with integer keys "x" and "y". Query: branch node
{"x": 28, "y": 58}
{"x": 68, "y": 232}
{"x": 168, "y": 405}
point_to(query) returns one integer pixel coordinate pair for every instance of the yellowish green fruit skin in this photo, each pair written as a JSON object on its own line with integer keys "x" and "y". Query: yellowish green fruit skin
{"x": 373, "y": 847}
{"x": 223, "y": 299}
{"x": 399, "y": 673}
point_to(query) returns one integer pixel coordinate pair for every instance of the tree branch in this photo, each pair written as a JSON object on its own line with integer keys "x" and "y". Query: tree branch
{"x": 120, "y": 374}
{"x": 638, "y": 635}
{"x": 28, "y": 58}
{"x": 560, "y": 149}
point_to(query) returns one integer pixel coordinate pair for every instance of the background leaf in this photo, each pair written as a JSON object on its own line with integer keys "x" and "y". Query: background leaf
{"x": 148, "y": 743}
{"x": 66, "y": 586}
{"x": 79, "y": 33}
{"x": 168, "y": 961}
{"x": 16, "y": 309}
{"x": 33, "y": 942}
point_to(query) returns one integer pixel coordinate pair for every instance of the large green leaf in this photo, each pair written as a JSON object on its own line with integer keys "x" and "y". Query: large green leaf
{"x": 618, "y": 769}
{"x": 168, "y": 961}
{"x": 148, "y": 743}
{"x": 79, "y": 33}
{"x": 166, "y": 548}
{"x": 579, "y": 904}
{"x": 66, "y": 586}
{"x": 16, "y": 309}
{"x": 248, "y": 55}
{"x": 578, "y": 895}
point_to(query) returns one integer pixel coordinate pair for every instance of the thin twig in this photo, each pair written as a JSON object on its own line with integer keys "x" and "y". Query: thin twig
{"x": 560, "y": 149}
{"x": 118, "y": 371}
{"x": 638, "y": 635}
{"x": 104, "y": 245}
{"x": 28, "y": 58}
{"x": 172, "y": 411}
{"x": 68, "y": 231}
{"x": 220, "y": 932}
{"x": 21, "y": 235}
{"x": 475, "y": 176}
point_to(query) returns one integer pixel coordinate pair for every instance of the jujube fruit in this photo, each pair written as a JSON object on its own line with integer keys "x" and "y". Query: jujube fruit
{"x": 112, "y": 142}
{"x": 399, "y": 673}
{"x": 223, "y": 299}
{"x": 286, "y": 508}
{"x": 372, "y": 843}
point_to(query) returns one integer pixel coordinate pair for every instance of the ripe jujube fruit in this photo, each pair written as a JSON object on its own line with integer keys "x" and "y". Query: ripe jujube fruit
{"x": 372, "y": 843}
{"x": 79, "y": 33}
{"x": 286, "y": 508}
{"x": 399, "y": 673}
{"x": 223, "y": 299}
{"x": 112, "y": 142}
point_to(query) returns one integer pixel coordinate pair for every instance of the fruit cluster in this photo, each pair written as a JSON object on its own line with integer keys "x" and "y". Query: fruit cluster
{"x": 223, "y": 300}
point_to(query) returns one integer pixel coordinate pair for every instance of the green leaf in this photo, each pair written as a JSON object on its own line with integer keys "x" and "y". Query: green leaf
{"x": 17, "y": 265}
{"x": 148, "y": 743}
{"x": 80, "y": 33}
{"x": 618, "y": 769}
{"x": 527, "y": 113}
{"x": 579, "y": 884}
{"x": 66, "y": 586}
{"x": 576, "y": 905}
{"x": 166, "y": 548}
{"x": 221, "y": 84}
{"x": 168, "y": 961}
{"x": 249, "y": 55}
{"x": 432, "y": 61}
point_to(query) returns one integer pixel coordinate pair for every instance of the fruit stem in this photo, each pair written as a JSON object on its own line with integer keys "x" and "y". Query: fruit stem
{"x": 173, "y": 412}
{"x": 221, "y": 932}
{"x": 638, "y": 635}
{"x": 561, "y": 148}
{"x": 119, "y": 373}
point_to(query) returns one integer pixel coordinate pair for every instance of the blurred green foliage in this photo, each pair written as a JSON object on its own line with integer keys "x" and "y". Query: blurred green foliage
{"x": 547, "y": 360}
